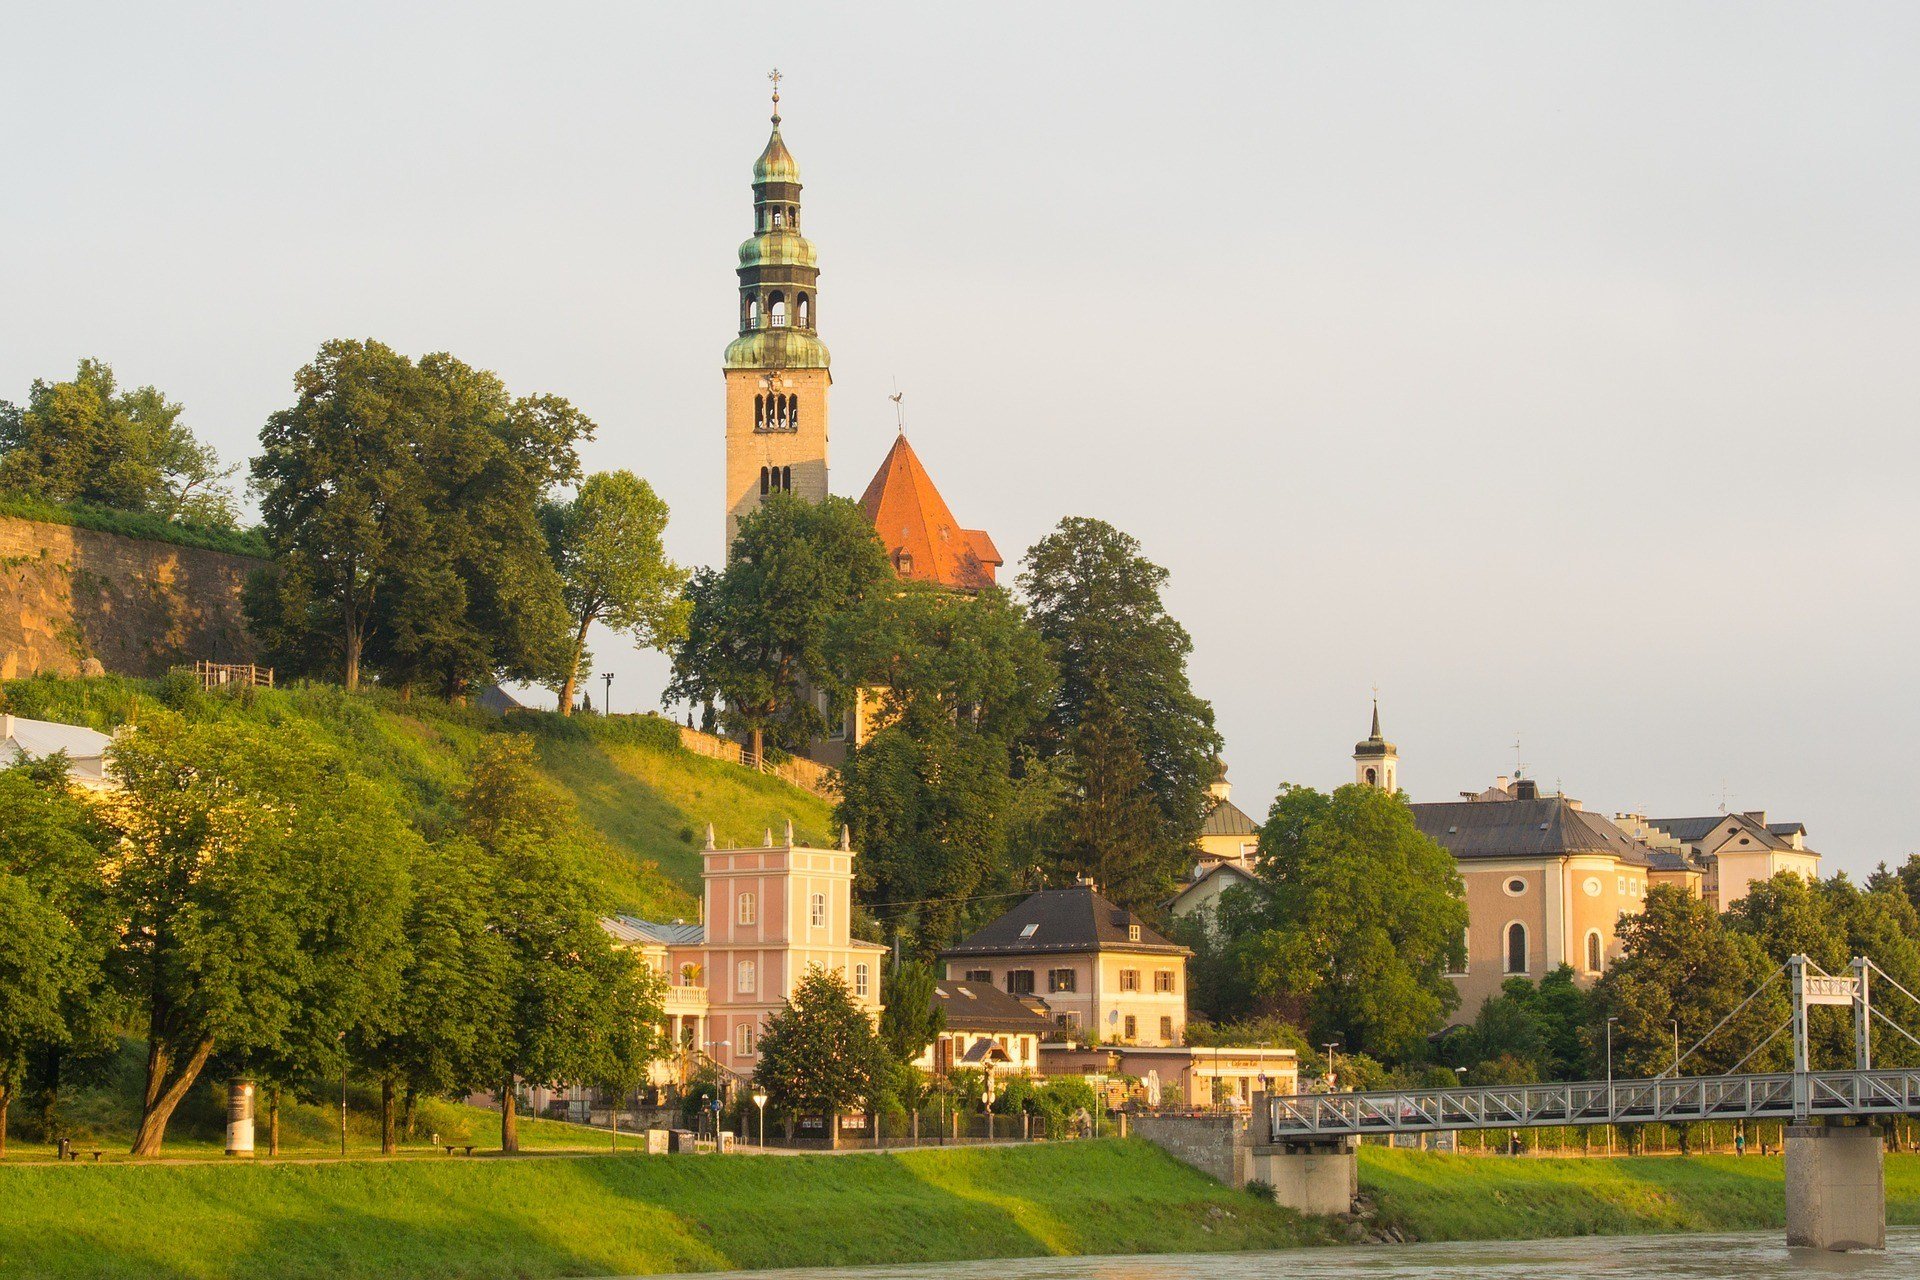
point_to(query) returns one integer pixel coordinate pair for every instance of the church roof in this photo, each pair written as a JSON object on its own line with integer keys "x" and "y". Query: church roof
{"x": 924, "y": 542}
{"x": 1227, "y": 819}
{"x": 1524, "y": 827}
{"x": 776, "y": 163}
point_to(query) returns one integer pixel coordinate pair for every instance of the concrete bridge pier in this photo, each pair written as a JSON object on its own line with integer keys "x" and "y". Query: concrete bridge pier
{"x": 1320, "y": 1177}
{"x": 1836, "y": 1187}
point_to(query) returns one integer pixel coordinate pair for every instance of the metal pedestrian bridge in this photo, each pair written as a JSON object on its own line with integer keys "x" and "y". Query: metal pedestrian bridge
{"x": 1787, "y": 1096}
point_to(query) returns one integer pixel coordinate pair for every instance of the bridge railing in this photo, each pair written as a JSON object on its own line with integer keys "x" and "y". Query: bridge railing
{"x": 1683, "y": 1099}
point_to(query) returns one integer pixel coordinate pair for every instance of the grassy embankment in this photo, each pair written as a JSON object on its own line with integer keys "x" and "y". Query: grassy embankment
{"x": 640, "y": 1215}
{"x": 619, "y": 1216}
{"x": 639, "y": 804}
{"x": 1439, "y": 1197}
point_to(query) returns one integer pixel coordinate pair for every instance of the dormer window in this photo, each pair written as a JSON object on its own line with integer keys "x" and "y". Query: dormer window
{"x": 1133, "y": 933}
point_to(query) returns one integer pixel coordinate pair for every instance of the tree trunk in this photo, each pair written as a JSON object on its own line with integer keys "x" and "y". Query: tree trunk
{"x": 273, "y": 1120}
{"x": 756, "y": 737}
{"x": 509, "y": 1120}
{"x": 387, "y": 1145}
{"x": 6, "y": 1101}
{"x": 350, "y": 677}
{"x": 573, "y": 668}
{"x": 166, "y": 1086}
{"x": 406, "y": 1114}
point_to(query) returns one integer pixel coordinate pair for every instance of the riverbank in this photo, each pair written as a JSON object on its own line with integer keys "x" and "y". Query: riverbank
{"x": 595, "y": 1215}
{"x": 1438, "y": 1197}
{"x": 628, "y": 1215}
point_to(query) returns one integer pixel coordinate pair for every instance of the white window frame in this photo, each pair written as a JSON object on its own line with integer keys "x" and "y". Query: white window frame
{"x": 745, "y": 978}
{"x": 746, "y": 908}
{"x": 1506, "y": 949}
{"x": 817, "y": 910}
{"x": 743, "y": 1040}
{"x": 860, "y": 980}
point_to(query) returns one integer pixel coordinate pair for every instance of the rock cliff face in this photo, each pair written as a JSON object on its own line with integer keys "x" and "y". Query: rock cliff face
{"x": 70, "y": 598}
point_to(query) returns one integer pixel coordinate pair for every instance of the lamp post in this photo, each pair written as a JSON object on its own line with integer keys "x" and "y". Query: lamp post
{"x": 1610, "y": 1022}
{"x": 342, "y": 1038}
{"x": 1676, "y": 1045}
{"x": 986, "y": 1098}
{"x": 760, "y": 1102}
{"x": 606, "y": 693}
{"x": 1333, "y": 1079}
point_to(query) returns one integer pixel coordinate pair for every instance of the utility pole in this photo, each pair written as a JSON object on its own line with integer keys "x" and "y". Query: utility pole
{"x": 606, "y": 694}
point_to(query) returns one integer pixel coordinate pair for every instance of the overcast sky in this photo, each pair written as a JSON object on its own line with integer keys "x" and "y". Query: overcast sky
{"x": 1550, "y": 367}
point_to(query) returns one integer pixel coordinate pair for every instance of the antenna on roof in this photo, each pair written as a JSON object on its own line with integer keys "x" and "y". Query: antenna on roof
{"x": 899, "y": 410}
{"x": 1519, "y": 765}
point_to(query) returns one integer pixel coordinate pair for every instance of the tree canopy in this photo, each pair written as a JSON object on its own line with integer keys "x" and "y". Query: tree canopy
{"x": 758, "y": 631}
{"x": 1122, "y": 657}
{"x": 820, "y": 1056}
{"x": 86, "y": 440}
{"x": 401, "y": 501}
{"x": 1359, "y": 919}
{"x": 614, "y": 568}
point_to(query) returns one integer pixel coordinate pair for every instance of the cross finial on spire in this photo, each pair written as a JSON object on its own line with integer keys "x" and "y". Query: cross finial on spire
{"x": 775, "y": 76}
{"x": 899, "y": 410}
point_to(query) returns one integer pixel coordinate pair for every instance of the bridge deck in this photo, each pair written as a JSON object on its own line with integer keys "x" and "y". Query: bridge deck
{"x": 1783, "y": 1096}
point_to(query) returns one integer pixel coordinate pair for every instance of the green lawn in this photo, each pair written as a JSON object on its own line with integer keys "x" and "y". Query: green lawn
{"x": 601, "y": 1215}
{"x": 640, "y": 804}
{"x": 1441, "y": 1197}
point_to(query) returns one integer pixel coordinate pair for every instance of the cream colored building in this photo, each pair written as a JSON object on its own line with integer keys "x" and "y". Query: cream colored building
{"x": 1547, "y": 883}
{"x": 987, "y": 1029}
{"x": 1229, "y": 839}
{"x": 1104, "y": 973}
{"x": 1734, "y": 851}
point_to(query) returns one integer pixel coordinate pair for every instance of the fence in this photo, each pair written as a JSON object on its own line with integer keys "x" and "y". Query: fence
{"x": 794, "y": 770}
{"x": 244, "y": 675}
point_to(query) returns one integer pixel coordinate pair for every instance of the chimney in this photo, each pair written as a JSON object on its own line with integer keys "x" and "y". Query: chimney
{"x": 1503, "y": 783}
{"x": 1526, "y": 789}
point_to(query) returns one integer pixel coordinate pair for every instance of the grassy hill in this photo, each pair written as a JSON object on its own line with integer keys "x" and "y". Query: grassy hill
{"x": 639, "y": 802}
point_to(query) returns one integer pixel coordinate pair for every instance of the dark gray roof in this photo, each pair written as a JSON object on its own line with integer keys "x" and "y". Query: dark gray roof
{"x": 1670, "y": 860}
{"x": 1071, "y": 919}
{"x": 1694, "y": 830}
{"x": 1227, "y": 819}
{"x": 1545, "y": 826}
{"x": 496, "y": 699}
{"x": 981, "y": 1006}
{"x": 1787, "y": 828}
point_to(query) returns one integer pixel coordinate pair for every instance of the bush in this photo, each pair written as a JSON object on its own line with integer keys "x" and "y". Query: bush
{"x": 129, "y": 524}
{"x": 652, "y": 731}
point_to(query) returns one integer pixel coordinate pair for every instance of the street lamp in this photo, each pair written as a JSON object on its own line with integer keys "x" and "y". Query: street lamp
{"x": 1676, "y": 1045}
{"x": 606, "y": 693}
{"x": 1332, "y": 1079}
{"x": 760, "y": 1101}
{"x": 342, "y": 1038}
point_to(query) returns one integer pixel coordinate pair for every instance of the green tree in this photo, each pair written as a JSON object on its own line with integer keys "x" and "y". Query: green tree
{"x": 1361, "y": 918}
{"x": 1541, "y": 1026}
{"x": 258, "y": 890}
{"x": 820, "y": 1055}
{"x": 912, "y": 1017}
{"x": 758, "y": 632}
{"x": 614, "y": 568}
{"x": 932, "y": 797}
{"x": 1096, "y": 600}
{"x": 55, "y": 1004}
{"x": 574, "y": 1006}
{"x": 402, "y": 503}
{"x": 85, "y": 440}
{"x": 1680, "y": 961}
{"x": 1110, "y": 828}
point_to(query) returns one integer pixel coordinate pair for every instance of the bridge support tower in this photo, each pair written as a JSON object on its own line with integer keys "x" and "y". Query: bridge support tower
{"x": 1321, "y": 1175}
{"x": 1836, "y": 1186}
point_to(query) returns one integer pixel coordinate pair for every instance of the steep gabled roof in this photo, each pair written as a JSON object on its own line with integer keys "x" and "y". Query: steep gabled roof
{"x": 1063, "y": 920}
{"x": 1696, "y": 830}
{"x": 924, "y": 542}
{"x": 1542, "y": 826}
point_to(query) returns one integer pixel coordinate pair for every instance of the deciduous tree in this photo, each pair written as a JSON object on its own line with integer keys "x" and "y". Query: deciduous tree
{"x": 1361, "y": 918}
{"x": 912, "y": 1017}
{"x": 820, "y": 1055}
{"x": 758, "y": 631}
{"x": 614, "y": 568}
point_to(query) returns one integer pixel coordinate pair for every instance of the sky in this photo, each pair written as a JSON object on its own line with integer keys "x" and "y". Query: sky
{"x": 1548, "y": 368}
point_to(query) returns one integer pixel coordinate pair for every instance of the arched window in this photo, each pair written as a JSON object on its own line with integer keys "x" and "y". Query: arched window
{"x": 1594, "y": 956}
{"x": 753, "y": 313}
{"x": 779, "y": 218}
{"x": 743, "y": 978}
{"x": 1372, "y": 777}
{"x": 793, "y": 413}
{"x": 1516, "y": 948}
{"x": 760, "y": 411}
{"x": 804, "y": 314}
{"x": 763, "y": 482}
{"x": 786, "y": 479}
{"x": 745, "y": 910}
{"x": 777, "y": 309}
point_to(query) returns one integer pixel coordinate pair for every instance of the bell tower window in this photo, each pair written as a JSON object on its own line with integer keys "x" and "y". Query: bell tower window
{"x": 777, "y": 309}
{"x": 805, "y": 318}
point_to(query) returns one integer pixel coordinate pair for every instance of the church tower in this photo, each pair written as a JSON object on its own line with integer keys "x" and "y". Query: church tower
{"x": 1376, "y": 762}
{"x": 776, "y": 370}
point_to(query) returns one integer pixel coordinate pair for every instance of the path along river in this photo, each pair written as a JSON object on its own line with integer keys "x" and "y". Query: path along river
{"x": 1750, "y": 1256}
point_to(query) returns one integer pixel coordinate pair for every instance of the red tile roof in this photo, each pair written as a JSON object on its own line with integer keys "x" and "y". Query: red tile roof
{"x": 923, "y": 540}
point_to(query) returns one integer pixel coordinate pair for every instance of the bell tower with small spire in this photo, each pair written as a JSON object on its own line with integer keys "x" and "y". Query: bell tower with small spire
{"x": 777, "y": 368}
{"x": 1376, "y": 762}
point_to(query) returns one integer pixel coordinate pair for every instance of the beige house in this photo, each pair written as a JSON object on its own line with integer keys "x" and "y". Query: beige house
{"x": 1736, "y": 850}
{"x": 986, "y": 1029}
{"x": 1102, "y": 971}
{"x": 1228, "y": 841}
{"x": 1182, "y": 1075}
{"x": 1547, "y": 882}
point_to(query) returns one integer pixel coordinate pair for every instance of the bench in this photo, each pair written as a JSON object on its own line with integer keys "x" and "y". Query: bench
{"x": 455, "y": 1146}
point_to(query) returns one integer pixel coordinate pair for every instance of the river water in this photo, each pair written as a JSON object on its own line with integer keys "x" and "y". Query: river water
{"x": 1747, "y": 1256}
